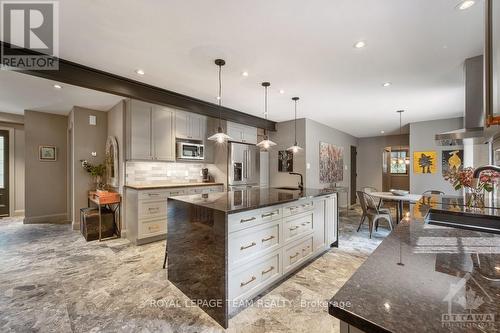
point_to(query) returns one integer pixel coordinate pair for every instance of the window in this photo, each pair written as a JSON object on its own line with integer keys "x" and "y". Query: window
{"x": 398, "y": 162}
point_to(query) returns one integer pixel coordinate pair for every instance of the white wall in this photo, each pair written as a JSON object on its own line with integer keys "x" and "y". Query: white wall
{"x": 422, "y": 139}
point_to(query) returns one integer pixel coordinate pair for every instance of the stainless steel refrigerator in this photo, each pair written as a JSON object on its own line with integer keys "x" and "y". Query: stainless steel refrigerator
{"x": 243, "y": 166}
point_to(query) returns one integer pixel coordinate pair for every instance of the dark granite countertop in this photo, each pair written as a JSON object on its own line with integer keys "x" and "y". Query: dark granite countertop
{"x": 248, "y": 199}
{"x": 426, "y": 278}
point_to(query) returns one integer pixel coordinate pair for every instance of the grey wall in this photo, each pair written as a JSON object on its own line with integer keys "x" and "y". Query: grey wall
{"x": 370, "y": 158}
{"x": 85, "y": 140}
{"x": 284, "y": 138}
{"x": 316, "y": 133}
{"x": 422, "y": 139}
{"x": 45, "y": 182}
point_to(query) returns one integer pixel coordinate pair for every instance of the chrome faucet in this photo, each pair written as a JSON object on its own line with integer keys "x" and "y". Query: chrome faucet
{"x": 301, "y": 184}
{"x": 477, "y": 172}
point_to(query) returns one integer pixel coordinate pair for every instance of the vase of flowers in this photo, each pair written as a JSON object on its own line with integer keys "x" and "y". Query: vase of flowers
{"x": 474, "y": 189}
{"x": 97, "y": 172}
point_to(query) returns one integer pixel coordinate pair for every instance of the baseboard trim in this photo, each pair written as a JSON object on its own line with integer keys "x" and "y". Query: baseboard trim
{"x": 50, "y": 219}
{"x": 19, "y": 212}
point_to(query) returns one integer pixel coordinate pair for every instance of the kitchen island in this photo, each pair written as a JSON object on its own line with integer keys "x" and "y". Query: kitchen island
{"x": 224, "y": 249}
{"x": 426, "y": 278}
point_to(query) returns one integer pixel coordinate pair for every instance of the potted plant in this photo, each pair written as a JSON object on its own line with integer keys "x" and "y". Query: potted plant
{"x": 474, "y": 189}
{"x": 97, "y": 173}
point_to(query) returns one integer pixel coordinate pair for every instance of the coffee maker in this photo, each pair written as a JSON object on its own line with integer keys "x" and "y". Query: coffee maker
{"x": 205, "y": 175}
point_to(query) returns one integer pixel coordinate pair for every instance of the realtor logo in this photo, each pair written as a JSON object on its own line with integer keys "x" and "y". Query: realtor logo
{"x": 468, "y": 294}
{"x": 31, "y": 25}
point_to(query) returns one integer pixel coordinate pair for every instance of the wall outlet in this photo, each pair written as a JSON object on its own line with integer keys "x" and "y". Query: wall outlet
{"x": 92, "y": 120}
{"x": 94, "y": 153}
{"x": 308, "y": 166}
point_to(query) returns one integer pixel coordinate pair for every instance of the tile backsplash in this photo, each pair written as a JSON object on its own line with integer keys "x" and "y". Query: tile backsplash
{"x": 149, "y": 172}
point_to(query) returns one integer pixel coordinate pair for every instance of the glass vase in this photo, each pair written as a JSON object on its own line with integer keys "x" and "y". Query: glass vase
{"x": 474, "y": 199}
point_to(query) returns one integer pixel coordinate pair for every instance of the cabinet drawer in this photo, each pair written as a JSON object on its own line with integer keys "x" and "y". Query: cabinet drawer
{"x": 174, "y": 192}
{"x": 240, "y": 221}
{"x": 254, "y": 242}
{"x": 148, "y": 210}
{"x": 295, "y": 254}
{"x": 297, "y": 208}
{"x": 297, "y": 226}
{"x": 252, "y": 277}
{"x": 152, "y": 228}
{"x": 153, "y": 195}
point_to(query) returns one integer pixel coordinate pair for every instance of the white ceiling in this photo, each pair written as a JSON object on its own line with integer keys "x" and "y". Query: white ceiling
{"x": 21, "y": 92}
{"x": 303, "y": 47}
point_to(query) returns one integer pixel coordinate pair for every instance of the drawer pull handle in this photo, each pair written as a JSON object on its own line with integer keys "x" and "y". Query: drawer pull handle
{"x": 267, "y": 239}
{"x": 268, "y": 270}
{"x": 294, "y": 208}
{"x": 248, "y": 246}
{"x": 307, "y": 248}
{"x": 294, "y": 256}
{"x": 242, "y": 284}
{"x": 294, "y": 228}
{"x": 306, "y": 223}
{"x": 174, "y": 193}
{"x": 153, "y": 194}
{"x": 153, "y": 208}
{"x": 247, "y": 220}
{"x": 269, "y": 214}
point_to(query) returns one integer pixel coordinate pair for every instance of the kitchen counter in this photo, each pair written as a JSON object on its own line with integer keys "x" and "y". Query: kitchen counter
{"x": 425, "y": 278}
{"x": 168, "y": 185}
{"x": 248, "y": 199}
{"x": 224, "y": 249}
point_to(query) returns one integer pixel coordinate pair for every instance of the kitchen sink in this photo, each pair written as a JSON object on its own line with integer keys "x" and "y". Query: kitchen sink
{"x": 469, "y": 221}
{"x": 288, "y": 188}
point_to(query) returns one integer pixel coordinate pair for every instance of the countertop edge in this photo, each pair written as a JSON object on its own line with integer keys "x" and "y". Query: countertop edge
{"x": 151, "y": 187}
{"x": 355, "y": 320}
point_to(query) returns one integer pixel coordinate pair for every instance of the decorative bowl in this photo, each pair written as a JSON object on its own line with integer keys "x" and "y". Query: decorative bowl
{"x": 400, "y": 193}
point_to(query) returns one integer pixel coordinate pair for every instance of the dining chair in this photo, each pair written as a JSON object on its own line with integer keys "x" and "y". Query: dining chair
{"x": 372, "y": 212}
{"x": 369, "y": 189}
{"x": 434, "y": 192}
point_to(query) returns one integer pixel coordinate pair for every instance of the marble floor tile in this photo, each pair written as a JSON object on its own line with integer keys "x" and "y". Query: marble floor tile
{"x": 52, "y": 280}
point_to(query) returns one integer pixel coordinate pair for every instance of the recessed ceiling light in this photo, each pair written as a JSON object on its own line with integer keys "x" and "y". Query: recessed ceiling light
{"x": 245, "y": 73}
{"x": 140, "y": 72}
{"x": 360, "y": 44}
{"x": 382, "y": 132}
{"x": 466, "y": 4}
{"x": 387, "y": 84}
{"x": 57, "y": 86}
{"x": 282, "y": 91}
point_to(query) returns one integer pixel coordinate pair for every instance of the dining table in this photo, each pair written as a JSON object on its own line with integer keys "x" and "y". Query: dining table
{"x": 400, "y": 199}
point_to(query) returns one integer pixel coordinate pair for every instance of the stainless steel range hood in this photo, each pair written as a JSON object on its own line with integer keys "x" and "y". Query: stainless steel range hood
{"x": 474, "y": 108}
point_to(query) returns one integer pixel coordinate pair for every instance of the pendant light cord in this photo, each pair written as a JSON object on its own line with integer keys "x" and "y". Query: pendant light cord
{"x": 265, "y": 109}
{"x": 295, "y": 122}
{"x": 220, "y": 94}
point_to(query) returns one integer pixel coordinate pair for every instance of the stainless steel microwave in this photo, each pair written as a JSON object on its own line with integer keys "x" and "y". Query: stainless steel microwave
{"x": 190, "y": 151}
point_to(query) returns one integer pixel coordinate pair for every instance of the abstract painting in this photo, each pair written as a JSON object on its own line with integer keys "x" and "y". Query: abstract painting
{"x": 285, "y": 161}
{"x": 452, "y": 160}
{"x": 331, "y": 163}
{"x": 425, "y": 162}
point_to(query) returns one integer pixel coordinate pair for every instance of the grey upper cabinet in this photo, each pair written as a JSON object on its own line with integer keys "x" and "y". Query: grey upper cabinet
{"x": 138, "y": 124}
{"x": 149, "y": 132}
{"x": 242, "y": 133}
{"x": 163, "y": 134}
{"x": 190, "y": 126}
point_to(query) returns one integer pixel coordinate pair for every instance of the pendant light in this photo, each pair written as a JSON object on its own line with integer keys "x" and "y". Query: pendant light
{"x": 295, "y": 148}
{"x": 265, "y": 143}
{"x": 220, "y": 136}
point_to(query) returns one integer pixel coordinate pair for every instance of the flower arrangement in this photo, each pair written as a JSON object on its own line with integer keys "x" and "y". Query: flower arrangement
{"x": 96, "y": 171}
{"x": 474, "y": 190}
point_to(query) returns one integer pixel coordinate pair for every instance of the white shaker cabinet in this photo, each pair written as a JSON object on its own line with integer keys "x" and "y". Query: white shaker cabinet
{"x": 190, "y": 126}
{"x": 242, "y": 133}
{"x": 149, "y": 132}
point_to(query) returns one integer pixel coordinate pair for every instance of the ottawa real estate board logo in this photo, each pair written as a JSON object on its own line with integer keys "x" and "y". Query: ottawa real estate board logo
{"x": 30, "y": 35}
{"x": 466, "y": 304}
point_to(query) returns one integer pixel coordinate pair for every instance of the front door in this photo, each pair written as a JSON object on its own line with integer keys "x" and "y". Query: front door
{"x": 4, "y": 173}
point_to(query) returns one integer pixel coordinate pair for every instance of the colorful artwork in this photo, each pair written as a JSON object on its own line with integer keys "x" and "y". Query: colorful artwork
{"x": 452, "y": 160}
{"x": 285, "y": 161}
{"x": 331, "y": 163}
{"x": 425, "y": 162}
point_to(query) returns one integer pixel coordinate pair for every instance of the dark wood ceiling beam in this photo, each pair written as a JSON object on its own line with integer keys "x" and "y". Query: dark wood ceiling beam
{"x": 91, "y": 78}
